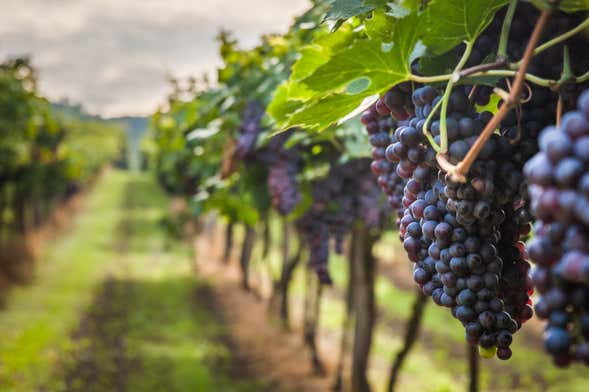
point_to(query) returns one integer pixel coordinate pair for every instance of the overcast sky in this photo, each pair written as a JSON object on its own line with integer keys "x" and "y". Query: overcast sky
{"x": 113, "y": 55}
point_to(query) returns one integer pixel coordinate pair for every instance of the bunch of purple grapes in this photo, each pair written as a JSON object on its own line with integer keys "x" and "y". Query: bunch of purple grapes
{"x": 282, "y": 183}
{"x": 559, "y": 189}
{"x": 452, "y": 231}
{"x": 250, "y": 129}
{"x": 379, "y": 126}
{"x": 284, "y": 166}
{"x": 466, "y": 239}
{"x": 346, "y": 195}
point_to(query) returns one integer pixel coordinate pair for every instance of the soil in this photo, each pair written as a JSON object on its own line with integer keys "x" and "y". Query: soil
{"x": 262, "y": 348}
{"x": 103, "y": 362}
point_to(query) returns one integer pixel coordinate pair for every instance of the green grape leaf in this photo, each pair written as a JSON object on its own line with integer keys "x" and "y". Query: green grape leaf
{"x": 449, "y": 22}
{"x": 565, "y": 5}
{"x": 336, "y": 88}
{"x": 438, "y": 65}
{"x": 341, "y": 10}
{"x": 398, "y": 11}
{"x": 319, "y": 52}
{"x": 323, "y": 112}
{"x": 345, "y": 9}
{"x": 358, "y": 86}
{"x": 363, "y": 59}
{"x": 380, "y": 26}
{"x": 312, "y": 57}
{"x": 383, "y": 65}
{"x": 281, "y": 106}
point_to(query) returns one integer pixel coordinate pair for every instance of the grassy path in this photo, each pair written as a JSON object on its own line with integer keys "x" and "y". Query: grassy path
{"x": 115, "y": 306}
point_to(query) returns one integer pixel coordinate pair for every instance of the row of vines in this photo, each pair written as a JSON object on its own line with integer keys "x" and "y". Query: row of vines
{"x": 461, "y": 124}
{"x": 46, "y": 156}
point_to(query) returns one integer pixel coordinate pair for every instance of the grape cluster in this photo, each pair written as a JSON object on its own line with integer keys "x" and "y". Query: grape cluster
{"x": 467, "y": 256}
{"x": 379, "y": 127}
{"x": 396, "y": 102}
{"x": 559, "y": 189}
{"x": 282, "y": 183}
{"x": 466, "y": 239}
{"x": 481, "y": 266}
{"x": 284, "y": 165}
{"x": 408, "y": 148}
{"x": 249, "y": 130}
{"x": 347, "y": 194}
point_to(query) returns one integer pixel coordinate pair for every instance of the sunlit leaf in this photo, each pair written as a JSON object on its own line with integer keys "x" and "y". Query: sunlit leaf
{"x": 449, "y": 22}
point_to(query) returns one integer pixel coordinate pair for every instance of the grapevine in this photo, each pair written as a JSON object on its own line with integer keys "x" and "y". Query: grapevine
{"x": 460, "y": 124}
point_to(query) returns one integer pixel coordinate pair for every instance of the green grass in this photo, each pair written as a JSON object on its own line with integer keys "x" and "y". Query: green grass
{"x": 172, "y": 328}
{"x": 175, "y": 339}
{"x": 35, "y": 325}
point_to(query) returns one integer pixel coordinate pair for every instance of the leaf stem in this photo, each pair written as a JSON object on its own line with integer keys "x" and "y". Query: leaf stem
{"x": 477, "y": 69}
{"x": 425, "y": 128}
{"x": 446, "y": 97}
{"x": 430, "y": 79}
{"x": 505, "y": 29}
{"x": 458, "y": 172}
{"x": 567, "y": 72}
{"x": 582, "y": 78}
{"x": 529, "y": 77}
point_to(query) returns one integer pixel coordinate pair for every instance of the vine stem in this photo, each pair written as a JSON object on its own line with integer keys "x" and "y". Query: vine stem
{"x": 430, "y": 79}
{"x": 558, "y": 110}
{"x": 482, "y": 70}
{"x": 505, "y": 29}
{"x": 582, "y": 78}
{"x": 558, "y": 39}
{"x": 446, "y": 97}
{"x": 529, "y": 77}
{"x": 425, "y": 128}
{"x": 458, "y": 172}
{"x": 478, "y": 69}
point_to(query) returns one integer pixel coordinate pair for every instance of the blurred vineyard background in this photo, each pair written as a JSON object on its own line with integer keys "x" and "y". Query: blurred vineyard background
{"x": 110, "y": 284}
{"x": 150, "y": 253}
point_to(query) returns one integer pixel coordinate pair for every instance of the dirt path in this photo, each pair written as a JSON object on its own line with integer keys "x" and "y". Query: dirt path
{"x": 102, "y": 361}
{"x": 277, "y": 356}
{"x": 148, "y": 317}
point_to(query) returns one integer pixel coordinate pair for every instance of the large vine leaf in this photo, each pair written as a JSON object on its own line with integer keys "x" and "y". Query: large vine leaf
{"x": 281, "y": 106}
{"x": 380, "y": 26}
{"x": 323, "y": 112}
{"x": 449, "y": 22}
{"x": 337, "y": 87}
{"x": 340, "y": 10}
{"x": 365, "y": 68}
{"x": 319, "y": 52}
{"x": 382, "y": 65}
{"x": 364, "y": 59}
